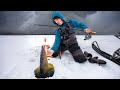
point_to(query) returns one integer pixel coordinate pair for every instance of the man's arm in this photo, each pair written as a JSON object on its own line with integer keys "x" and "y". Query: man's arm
{"x": 80, "y": 25}
{"x": 57, "y": 41}
{"x": 56, "y": 44}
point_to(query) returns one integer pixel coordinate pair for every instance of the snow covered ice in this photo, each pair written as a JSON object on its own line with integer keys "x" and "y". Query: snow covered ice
{"x": 20, "y": 54}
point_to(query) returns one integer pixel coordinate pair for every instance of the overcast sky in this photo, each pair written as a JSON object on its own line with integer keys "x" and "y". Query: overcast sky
{"x": 23, "y": 22}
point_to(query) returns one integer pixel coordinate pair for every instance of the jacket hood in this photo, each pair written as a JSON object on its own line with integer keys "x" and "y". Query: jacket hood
{"x": 58, "y": 14}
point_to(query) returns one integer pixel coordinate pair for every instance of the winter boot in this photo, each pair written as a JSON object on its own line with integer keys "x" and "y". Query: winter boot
{"x": 98, "y": 61}
{"x": 94, "y": 59}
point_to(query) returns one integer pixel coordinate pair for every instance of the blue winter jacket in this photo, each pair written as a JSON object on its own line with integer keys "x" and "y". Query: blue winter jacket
{"x": 74, "y": 24}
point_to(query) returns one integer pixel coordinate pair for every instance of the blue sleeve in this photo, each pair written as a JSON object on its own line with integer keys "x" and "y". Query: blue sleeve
{"x": 57, "y": 41}
{"x": 77, "y": 24}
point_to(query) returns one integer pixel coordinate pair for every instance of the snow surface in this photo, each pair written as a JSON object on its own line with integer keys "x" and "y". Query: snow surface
{"x": 20, "y": 56}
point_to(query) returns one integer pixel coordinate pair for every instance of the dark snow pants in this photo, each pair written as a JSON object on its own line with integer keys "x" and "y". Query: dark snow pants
{"x": 74, "y": 49}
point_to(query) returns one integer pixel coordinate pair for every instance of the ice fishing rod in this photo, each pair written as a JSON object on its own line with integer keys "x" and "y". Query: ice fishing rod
{"x": 87, "y": 36}
{"x": 57, "y": 27}
{"x": 45, "y": 25}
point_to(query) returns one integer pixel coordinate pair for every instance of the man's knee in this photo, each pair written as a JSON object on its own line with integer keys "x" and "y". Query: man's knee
{"x": 80, "y": 58}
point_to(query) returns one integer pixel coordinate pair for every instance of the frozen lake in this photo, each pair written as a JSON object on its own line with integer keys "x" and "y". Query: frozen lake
{"x": 19, "y": 56}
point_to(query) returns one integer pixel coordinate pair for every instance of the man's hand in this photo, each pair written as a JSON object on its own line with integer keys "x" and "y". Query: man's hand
{"x": 87, "y": 30}
{"x": 49, "y": 52}
{"x": 47, "y": 46}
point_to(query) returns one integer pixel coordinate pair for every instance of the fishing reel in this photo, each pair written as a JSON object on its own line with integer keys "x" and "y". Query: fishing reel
{"x": 89, "y": 35}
